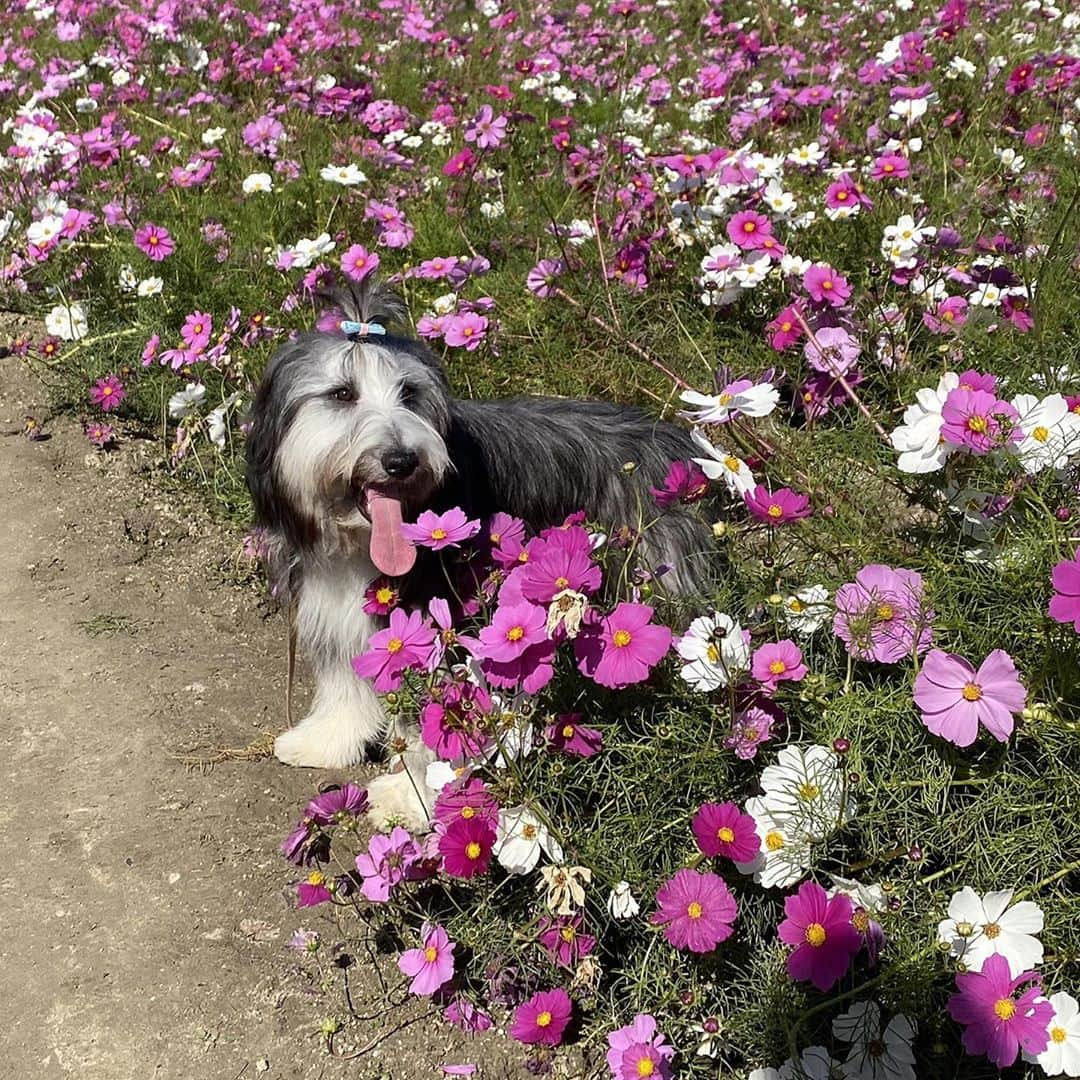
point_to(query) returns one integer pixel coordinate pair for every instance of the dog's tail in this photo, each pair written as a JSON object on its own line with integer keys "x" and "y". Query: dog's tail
{"x": 367, "y": 301}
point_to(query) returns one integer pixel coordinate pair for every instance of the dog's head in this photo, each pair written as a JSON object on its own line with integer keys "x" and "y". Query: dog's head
{"x": 337, "y": 423}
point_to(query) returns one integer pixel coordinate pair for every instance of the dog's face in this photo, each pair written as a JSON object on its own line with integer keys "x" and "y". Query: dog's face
{"x": 335, "y": 421}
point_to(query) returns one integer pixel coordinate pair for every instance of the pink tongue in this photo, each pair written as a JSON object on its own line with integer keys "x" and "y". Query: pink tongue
{"x": 390, "y": 551}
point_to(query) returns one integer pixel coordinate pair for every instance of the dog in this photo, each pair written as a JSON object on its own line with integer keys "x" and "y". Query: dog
{"x": 352, "y": 435}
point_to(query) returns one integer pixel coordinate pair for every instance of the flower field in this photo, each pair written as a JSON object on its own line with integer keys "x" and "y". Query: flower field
{"x": 821, "y": 822}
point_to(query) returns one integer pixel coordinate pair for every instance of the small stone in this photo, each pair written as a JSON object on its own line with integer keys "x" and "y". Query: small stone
{"x": 262, "y": 1065}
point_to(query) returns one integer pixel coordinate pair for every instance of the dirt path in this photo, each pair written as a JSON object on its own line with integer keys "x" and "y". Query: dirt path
{"x": 144, "y": 925}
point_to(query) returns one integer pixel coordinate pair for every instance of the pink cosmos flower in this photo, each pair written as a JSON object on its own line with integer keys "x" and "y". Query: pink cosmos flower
{"x": 621, "y": 648}
{"x": 467, "y": 800}
{"x": 486, "y": 129}
{"x": 563, "y": 939}
{"x": 514, "y": 628}
{"x": 338, "y": 805}
{"x": 826, "y": 286}
{"x": 748, "y": 228}
{"x": 406, "y": 643}
{"x": 751, "y": 727}
{"x": 381, "y": 597}
{"x": 723, "y": 829}
{"x": 154, "y": 242}
{"x": 999, "y": 1021}
{"x": 196, "y": 331}
{"x": 777, "y": 507}
{"x": 108, "y": 393}
{"x": 882, "y": 616}
{"x": 460, "y": 163}
{"x": 571, "y": 737}
{"x": 543, "y": 1018}
{"x": 314, "y": 889}
{"x": 946, "y": 316}
{"x": 432, "y": 965}
{"x": 560, "y": 559}
{"x": 99, "y": 434}
{"x": 777, "y": 662}
{"x": 466, "y": 847}
{"x": 1065, "y": 603}
{"x": 357, "y": 262}
{"x": 150, "y": 350}
{"x": 819, "y": 926}
{"x": 465, "y": 331}
{"x": 639, "y": 1050}
{"x": 438, "y": 531}
{"x": 540, "y": 280}
{"x": 890, "y": 167}
{"x": 453, "y": 726}
{"x": 684, "y": 483}
{"x": 955, "y": 698}
{"x": 463, "y": 1014}
{"x": 832, "y": 350}
{"x": 784, "y": 330}
{"x": 696, "y": 911}
{"x": 978, "y": 421}
{"x": 386, "y": 862}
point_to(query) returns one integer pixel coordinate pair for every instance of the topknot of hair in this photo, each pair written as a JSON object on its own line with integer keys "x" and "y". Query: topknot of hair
{"x": 369, "y": 301}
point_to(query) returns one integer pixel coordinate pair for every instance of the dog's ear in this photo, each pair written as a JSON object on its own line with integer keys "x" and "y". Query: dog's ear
{"x": 370, "y": 300}
{"x": 262, "y": 442}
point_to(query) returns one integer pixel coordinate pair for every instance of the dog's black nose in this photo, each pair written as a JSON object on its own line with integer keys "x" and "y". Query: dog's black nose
{"x": 400, "y": 463}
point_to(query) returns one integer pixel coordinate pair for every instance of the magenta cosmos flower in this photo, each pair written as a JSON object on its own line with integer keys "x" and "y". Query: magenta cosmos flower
{"x": 570, "y": 736}
{"x": 466, "y": 800}
{"x": 432, "y": 965}
{"x": 639, "y": 1050}
{"x": 514, "y": 629}
{"x": 357, "y": 262}
{"x": 338, "y": 805}
{"x": 955, "y": 698}
{"x": 999, "y": 1023}
{"x": 386, "y": 862}
{"x": 563, "y": 939}
{"x": 819, "y": 926}
{"x": 438, "y": 531}
{"x": 696, "y": 911}
{"x": 454, "y": 725}
{"x": 543, "y": 1018}
{"x": 684, "y": 483}
{"x": 826, "y": 286}
{"x": 748, "y": 228}
{"x": 466, "y": 847}
{"x": 723, "y": 829}
{"x": 465, "y": 331}
{"x": 314, "y": 889}
{"x": 881, "y": 615}
{"x": 561, "y": 559}
{"x": 108, "y": 393}
{"x": 777, "y": 507}
{"x": 154, "y": 242}
{"x": 99, "y": 434}
{"x": 1065, "y": 603}
{"x": 406, "y": 643}
{"x": 621, "y": 648}
{"x": 978, "y": 421}
{"x": 776, "y": 662}
{"x": 541, "y": 279}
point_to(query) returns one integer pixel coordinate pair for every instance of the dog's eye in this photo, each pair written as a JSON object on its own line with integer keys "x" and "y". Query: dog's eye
{"x": 343, "y": 393}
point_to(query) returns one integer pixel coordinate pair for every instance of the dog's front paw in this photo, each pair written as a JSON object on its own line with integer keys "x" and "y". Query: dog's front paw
{"x": 319, "y": 744}
{"x": 394, "y": 800}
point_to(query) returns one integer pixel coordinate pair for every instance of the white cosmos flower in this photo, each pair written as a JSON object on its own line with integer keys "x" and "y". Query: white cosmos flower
{"x": 907, "y": 234}
{"x": 716, "y": 651}
{"x": 779, "y": 201}
{"x": 307, "y": 251}
{"x": 783, "y": 859}
{"x": 520, "y": 838}
{"x": 807, "y": 610}
{"x": 810, "y": 154}
{"x": 621, "y": 903}
{"x": 876, "y": 1053}
{"x": 753, "y": 270}
{"x": 257, "y": 182}
{"x": 757, "y": 400}
{"x": 918, "y": 438}
{"x": 346, "y": 175}
{"x": 126, "y": 279}
{"x": 980, "y": 927}
{"x": 151, "y": 286}
{"x": 719, "y": 465}
{"x": 67, "y": 323}
{"x": 1051, "y": 432}
{"x": 216, "y": 424}
{"x": 184, "y": 402}
{"x": 43, "y": 232}
{"x": 7, "y": 223}
{"x": 1062, "y": 1054}
{"x": 869, "y": 897}
{"x": 986, "y": 295}
{"x": 814, "y": 1064}
{"x": 212, "y": 135}
{"x": 805, "y": 789}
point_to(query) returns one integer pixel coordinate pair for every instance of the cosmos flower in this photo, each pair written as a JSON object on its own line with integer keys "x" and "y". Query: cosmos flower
{"x": 826, "y": 286}
{"x": 432, "y": 965}
{"x": 777, "y": 507}
{"x": 882, "y": 615}
{"x": 978, "y": 421}
{"x": 741, "y": 398}
{"x": 876, "y": 1052}
{"x": 543, "y": 1018}
{"x": 621, "y": 903}
{"x": 696, "y": 910}
{"x": 1062, "y": 1053}
{"x": 154, "y": 242}
{"x": 990, "y": 925}
{"x": 1065, "y": 603}
{"x": 337, "y": 805}
{"x": 819, "y": 927}
{"x": 440, "y": 531}
{"x": 777, "y": 662}
{"x": 406, "y": 643}
{"x": 570, "y": 736}
{"x": 639, "y": 1050}
{"x": 386, "y": 862}
{"x": 719, "y": 465}
{"x": 621, "y": 649}
{"x": 107, "y": 393}
{"x": 723, "y": 829}
{"x": 316, "y": 888}
{"x": 521, "y": 839}
{"x": 804, "y": 788}
{"x": 466, "y": 845}
{"x": 357, "y": 262}
{"x": 716, "y": 649}
{"x": 563, "y": 938}
{"x": 684, "y": 483}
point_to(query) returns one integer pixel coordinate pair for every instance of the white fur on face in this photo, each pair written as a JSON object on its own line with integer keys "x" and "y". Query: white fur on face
{"x": 334, "y": 447}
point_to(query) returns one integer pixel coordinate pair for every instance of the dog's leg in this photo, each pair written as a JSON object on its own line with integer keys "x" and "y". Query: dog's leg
{"x": 332, "y": 627}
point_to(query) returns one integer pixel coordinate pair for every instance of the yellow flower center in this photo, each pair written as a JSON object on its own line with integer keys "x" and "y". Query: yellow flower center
{"x": 713, "y": 653}
{"x": 948, "y": 316}
{"x": 568, "y": 731}
{"x": 725, "y": 834}
{"x": 468, "y": 812}
{"x": 724, "y": 398}
{"x": 1005, "y": 1008}
{"x": 621, "y": 638}
{"x": 884, "y": 612}
{"x": 562, "y": 582}
{"x": 774, "y": 841}
{"x": 795, "y": 605}
{"x": 1058, "y": 1034}
{"x": 978, "y": 424}
{"x": 645, "y": 1067}
{"x": 431, "y": 954}
{"x": 732, "y": 463}
{"x": 841, "y": 196}
{"x": 106, "y": 390}
{"x": 992, "y": 930}
{"x": 965, "y": 929}
{"x": 529, "y": 832}
{"x": 438, "y": 534}
{"x": 1040, "y": 434}
{"x": 971, "y": 692}
{"x": 544, "y": 1019}
{"x": 778, "y": 667}
{"x": 472, "y": 851}
{"x": 567, "y": 933}
{"x": 775, "y": 511}
{"x": 316, "y": 877}
{"x": 861, "y": 920}
{"x": 889, "y": 167}
{"x": 815, "y": 935}
{"x": 694, "y": 910}
{"x": 749, "y": 226}
{"x": 809, "y": 791}
{"x": 384, "y": 595}
{"x": 826, "y": 285}
{"x": 515, "y": 633}
{"x": 395, "y": 644}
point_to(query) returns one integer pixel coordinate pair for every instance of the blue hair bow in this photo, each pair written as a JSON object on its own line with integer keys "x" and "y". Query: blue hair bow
{"x": 356, "y": 330}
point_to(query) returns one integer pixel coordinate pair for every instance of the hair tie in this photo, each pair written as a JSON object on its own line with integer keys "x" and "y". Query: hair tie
{"x": 354, "y": 331}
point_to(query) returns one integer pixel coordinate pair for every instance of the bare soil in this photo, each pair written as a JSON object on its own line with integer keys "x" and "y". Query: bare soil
{"x": 145, "y": 908}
